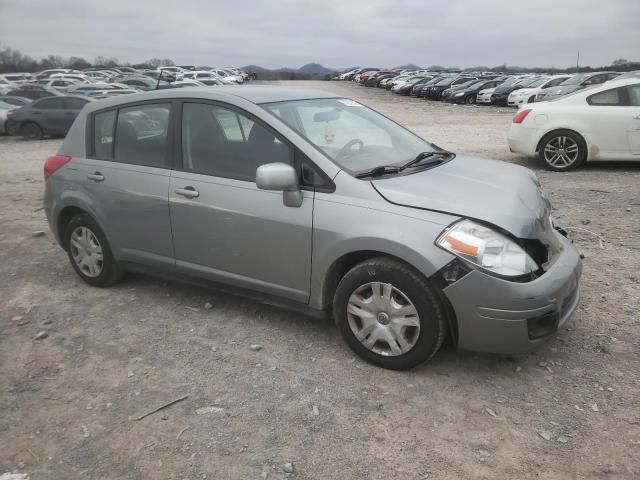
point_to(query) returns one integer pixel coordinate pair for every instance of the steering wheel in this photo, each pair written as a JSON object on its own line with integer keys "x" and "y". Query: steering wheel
{"x": 348, "y": 148}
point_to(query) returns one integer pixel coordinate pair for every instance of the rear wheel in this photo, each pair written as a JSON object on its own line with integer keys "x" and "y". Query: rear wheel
{"x": 562, "y": 150}
{"x": 89, "y": 252}
{"x": 388, "y": 314}
{"x": 31, "y": 131}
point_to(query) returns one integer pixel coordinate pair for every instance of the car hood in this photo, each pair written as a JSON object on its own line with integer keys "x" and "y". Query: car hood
{"x": 488, "y": 90}
{"x": 499, "y": 193}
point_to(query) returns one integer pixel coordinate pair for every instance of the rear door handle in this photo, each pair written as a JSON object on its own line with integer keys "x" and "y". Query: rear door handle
{"x": 188, "y": 192}
{"x": 96, "y": 177}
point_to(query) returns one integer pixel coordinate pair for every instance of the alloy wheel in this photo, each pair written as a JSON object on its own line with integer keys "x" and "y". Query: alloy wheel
{"x": 383, "y": 319}
{"x": 561, "y": 152}
{"x": 86, "y": 252}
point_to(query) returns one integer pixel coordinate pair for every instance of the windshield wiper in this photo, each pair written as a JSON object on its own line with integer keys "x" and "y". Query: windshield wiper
{"x": 422, "y": 156}
{"x": 379, "y": 171}
{"x": 391, "y": 169}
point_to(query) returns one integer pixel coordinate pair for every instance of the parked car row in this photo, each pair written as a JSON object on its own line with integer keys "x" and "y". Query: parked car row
{"x": 565, "y": 120}
{"x": 47, "y": 102}
{"x": 64, "y": 80}
{"x": 485, "y": 88}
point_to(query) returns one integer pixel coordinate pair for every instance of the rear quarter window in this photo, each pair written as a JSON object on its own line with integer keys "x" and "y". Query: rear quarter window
{"x": 103, "y": 125}
{"x": 611, "y": 97}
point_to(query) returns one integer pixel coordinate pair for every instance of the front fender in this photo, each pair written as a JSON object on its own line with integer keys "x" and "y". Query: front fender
{"x": 405, "y": 233}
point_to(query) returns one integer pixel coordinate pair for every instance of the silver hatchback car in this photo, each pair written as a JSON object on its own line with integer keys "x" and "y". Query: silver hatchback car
{"x": 319, "y": 202}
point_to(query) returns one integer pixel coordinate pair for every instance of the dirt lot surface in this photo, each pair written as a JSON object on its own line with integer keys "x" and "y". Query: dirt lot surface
{"x": 68, "y": 402}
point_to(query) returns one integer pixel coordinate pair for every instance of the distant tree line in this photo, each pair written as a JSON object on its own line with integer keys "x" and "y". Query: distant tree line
{"x": 619, "y": 65}
{"x": 13, "y": 60}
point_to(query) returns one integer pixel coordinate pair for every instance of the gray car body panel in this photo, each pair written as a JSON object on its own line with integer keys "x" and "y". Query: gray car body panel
{"x": 237, "y": 234}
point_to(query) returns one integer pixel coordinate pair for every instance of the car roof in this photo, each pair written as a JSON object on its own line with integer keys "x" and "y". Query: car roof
{"x": 253, "y": 93}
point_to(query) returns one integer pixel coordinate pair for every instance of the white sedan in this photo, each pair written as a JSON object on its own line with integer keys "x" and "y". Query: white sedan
{"x": 484, "y": 96}
{"x": 528, "y": 95}
{"x": 601, "y": 123}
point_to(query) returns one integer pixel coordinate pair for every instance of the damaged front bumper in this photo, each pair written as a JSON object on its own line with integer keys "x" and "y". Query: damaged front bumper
{"x": 501, "y": 316}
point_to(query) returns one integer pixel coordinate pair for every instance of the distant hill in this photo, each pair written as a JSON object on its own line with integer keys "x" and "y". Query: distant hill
{"x": 409, "y": 66}
{"x": 310, "y": 71}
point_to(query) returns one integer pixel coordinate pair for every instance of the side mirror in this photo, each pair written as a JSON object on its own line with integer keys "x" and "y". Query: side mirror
{"x": 280, "y": 177}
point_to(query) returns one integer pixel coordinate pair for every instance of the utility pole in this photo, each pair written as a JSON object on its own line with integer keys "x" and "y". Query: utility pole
{"x": 578, "y": 63}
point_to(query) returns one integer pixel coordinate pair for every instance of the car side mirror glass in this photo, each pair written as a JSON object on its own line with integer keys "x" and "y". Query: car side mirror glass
{"x": 280, "y": 177}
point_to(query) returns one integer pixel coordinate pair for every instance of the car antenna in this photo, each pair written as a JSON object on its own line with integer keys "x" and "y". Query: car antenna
{"x": 159, "y": 78}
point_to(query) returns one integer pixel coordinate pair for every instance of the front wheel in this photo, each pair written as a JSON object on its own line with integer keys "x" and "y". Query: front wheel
{"x": 562, "y": 150}
{"x": 470, "y": 100}
{"x": 388, "y": 314}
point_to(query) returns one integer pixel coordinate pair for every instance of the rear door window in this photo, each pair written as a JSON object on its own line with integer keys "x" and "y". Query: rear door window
{"x": 141, "y": 135}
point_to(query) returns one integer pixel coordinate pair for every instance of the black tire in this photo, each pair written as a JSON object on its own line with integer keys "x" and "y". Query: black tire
{"x": 111, "y": 272}
{"x": 554, "y": 140}
{"x": 31, "y": 131}
{"x": 470, "y": 99}
{"x": 416, "y": 288}
{"x": 532, "y": 99}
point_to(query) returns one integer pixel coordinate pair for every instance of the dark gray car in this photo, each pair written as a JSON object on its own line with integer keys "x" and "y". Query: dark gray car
{"x": 320, "y": 203}
{"x": 50, "y": 116}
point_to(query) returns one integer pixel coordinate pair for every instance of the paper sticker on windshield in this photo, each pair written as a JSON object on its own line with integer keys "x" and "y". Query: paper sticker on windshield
{"x": 350, "y": 103}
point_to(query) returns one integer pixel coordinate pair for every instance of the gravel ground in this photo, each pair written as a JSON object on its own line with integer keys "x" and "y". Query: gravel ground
{"x": 68, "y": 402}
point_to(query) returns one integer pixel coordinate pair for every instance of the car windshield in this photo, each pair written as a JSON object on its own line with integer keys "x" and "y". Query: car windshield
{"x": 466, "y": 84}
{"x": 510, "y": 81}
{"x": 446, "y": 81}
{"x": 479, "y": 84}
{"x": 353, "y": 136}
{"x": 575, "y": 80}
{"x": 537, "y": 83}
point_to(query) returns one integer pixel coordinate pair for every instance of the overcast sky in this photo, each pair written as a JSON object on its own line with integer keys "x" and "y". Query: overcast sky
{"x": 335, "y": 33}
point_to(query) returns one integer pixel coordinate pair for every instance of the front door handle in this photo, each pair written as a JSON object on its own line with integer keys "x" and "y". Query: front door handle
{"x": 188, "y": 192}
{"x": 96, "y": 177}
